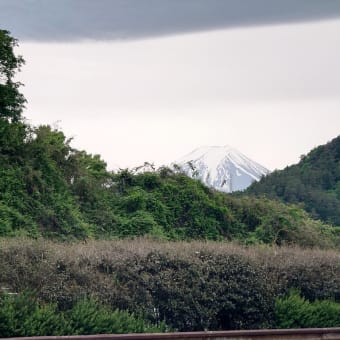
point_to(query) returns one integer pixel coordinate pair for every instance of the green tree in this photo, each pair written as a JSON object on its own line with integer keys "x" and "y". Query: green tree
{"x": 11, "y": 100}
{"x": 12, "y": 130}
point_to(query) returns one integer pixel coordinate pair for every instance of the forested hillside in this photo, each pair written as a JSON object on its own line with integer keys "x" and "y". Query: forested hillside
{"x": 48, "y": 188}
{"x": 314, "y": 183}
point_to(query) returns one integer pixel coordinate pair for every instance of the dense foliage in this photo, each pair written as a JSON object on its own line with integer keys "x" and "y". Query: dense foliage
{"x": 49, "y": 189}
{"x": 189, "y": 286}
{"x": 314, "y": 183}
{"x": 295, "y": 311}
{"x": 11, "y": 100}
{"x": 24, "y": 315}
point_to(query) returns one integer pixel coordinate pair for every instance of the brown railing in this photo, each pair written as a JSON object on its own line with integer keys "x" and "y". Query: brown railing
{"x": 275, "y": 334}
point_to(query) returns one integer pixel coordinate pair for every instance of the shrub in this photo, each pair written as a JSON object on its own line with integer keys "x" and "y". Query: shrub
{"x": 21, "y": 315}
{"x": 294, "y": 311}
{"x": 190, "y": 285}
{"x": 89, "y": 317}
{"x": 24, "y": 315}
{"x": 204, "y": 292}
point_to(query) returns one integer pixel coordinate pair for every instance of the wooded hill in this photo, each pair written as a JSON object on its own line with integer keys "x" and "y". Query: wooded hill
{"x": 313, "y": 183}
{"x": 49, "y": 189}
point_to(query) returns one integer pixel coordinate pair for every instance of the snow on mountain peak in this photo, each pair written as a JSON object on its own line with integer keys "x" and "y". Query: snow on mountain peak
{"x": 221, "y": 167}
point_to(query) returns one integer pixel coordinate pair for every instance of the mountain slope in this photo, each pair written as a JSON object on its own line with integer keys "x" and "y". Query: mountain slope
{"x": 314, "y": 182}
{"x": 51, "y": 190}
{"x": 221, "y": 167}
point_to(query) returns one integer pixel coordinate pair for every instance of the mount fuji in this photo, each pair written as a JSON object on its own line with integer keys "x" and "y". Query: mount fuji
{"x": 221, "y": 167}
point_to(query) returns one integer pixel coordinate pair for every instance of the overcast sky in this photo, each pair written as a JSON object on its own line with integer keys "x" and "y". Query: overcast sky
{"x": 152, "y": 80}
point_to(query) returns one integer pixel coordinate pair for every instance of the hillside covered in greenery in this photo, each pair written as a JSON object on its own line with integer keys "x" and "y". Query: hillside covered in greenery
{"x": 49, "y": 189}
{"x": 314, "y": 183}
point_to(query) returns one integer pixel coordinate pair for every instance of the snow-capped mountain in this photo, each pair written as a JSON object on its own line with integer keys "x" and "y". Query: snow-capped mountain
{"x": 221, "y": 167}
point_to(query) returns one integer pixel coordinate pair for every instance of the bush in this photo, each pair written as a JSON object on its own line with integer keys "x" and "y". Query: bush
{"x": 296, "y": 312}
{"x": 191, "y": 286}
{"x": 23, "y": 315}
{"x": 316, "y": 274}
{"x": 203, "y": 292}
{"x": 89, "y": 317}
{"x": 139, "y": 224}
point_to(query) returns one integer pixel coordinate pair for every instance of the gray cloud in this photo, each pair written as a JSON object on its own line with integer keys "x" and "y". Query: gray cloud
{"x": 63, "y": 20}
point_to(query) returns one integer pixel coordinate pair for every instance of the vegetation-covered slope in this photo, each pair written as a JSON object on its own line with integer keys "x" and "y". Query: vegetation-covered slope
{"x": 47, "y": 188}
{"x": 314, "y": 182}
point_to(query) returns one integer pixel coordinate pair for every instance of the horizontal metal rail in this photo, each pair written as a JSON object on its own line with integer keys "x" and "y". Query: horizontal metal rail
{"x": 264, "y": 334}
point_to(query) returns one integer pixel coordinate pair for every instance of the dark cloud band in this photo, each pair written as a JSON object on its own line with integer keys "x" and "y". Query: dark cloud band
{"x": 62, "y": 20}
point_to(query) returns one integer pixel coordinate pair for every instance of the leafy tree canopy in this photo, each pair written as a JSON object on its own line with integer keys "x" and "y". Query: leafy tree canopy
{"x": 11, "y": 100}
